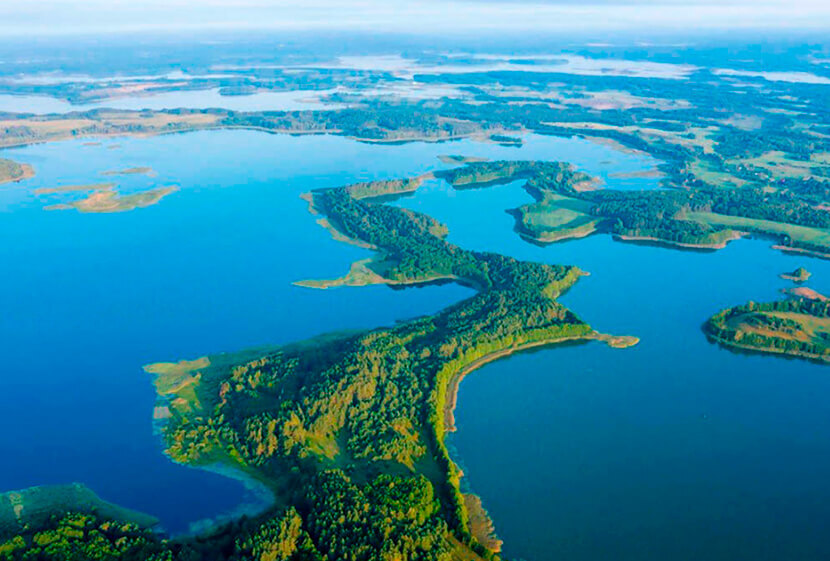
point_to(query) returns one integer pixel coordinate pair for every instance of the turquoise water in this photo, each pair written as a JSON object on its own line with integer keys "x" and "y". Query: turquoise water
{"x": 88, "y": 299}
{"x": 674, "y": 449}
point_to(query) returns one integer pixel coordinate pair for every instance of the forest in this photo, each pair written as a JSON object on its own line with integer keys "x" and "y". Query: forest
{"x": 659, "y": 214}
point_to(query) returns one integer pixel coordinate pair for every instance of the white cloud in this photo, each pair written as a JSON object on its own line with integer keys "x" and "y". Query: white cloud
{"x": 64, "y": 16}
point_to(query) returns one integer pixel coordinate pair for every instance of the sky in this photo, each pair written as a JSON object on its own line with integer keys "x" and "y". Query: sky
{"x": 36, "y": 17}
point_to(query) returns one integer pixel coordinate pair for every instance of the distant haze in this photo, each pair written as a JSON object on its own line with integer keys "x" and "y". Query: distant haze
{"x": 27, "y": 17}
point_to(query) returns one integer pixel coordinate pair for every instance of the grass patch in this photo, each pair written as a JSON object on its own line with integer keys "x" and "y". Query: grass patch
{"x": 814, "y": 236}
{"x": 556, "y": 218}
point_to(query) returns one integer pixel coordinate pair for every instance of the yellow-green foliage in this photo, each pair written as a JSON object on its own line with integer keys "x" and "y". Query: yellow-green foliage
{"x": 371, "y": 403}
{"x": 813, "y": 236}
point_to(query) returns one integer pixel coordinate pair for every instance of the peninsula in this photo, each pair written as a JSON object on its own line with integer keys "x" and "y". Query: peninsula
{"x": 799, "y": 326}
{"x": 355, "y": 423}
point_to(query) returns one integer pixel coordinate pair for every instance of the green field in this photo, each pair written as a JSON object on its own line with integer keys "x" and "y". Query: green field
{"x": 558, "y": 217}
{"x": 780, "y": 165}
{"x": 805, "y": 234}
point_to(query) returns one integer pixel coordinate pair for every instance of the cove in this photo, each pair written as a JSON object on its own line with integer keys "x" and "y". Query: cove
{"x": 673, "y": 449}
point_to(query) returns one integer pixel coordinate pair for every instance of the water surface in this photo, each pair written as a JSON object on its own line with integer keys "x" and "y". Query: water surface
{"x": 88, "y": 299}
{"x": 674, "y": 449}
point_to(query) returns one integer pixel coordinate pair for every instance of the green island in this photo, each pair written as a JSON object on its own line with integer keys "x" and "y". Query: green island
{"x": 348, "y": 430}
{"x": 799, "y": 275}
{"x": 11, "y": 171}
{"x": 799, "y": 326}
{"x": 459, "y": 159}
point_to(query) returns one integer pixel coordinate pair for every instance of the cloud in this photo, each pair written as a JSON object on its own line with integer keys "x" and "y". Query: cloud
{"x": 442, "y": 16}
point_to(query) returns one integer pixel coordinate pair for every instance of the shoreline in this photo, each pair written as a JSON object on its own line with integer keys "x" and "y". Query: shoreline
{"x": 451, "y": 398}
{"x": 737, "y": 235}
{"x": 265, "y": 498}
{"x": 801, "y": 251}
{"x": 821, "y": 359}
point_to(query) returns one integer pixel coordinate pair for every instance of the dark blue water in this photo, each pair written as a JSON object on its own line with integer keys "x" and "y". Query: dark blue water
{"x": 674, "y": 449}
{"x": 88, "y": 299}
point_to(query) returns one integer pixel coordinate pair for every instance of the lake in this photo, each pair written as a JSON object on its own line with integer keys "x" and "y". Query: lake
{"x": 673, "y": 449}
{"x": 88, "y": 299}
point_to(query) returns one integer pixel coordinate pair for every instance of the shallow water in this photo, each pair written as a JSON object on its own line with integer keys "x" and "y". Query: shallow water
{"x": 88, "y": 299}
{"x": 674, "y": 449}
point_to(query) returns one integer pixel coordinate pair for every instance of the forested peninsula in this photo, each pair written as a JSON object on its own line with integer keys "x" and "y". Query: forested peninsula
{"x": 348, "y": 430}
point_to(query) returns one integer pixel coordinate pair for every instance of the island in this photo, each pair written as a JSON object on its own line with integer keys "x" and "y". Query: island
{"x": 11, "y": 171}
{"x": 139, "y": 170}
{"x": 799, "y": 326}
{"x": 799, "y": 275}
{"x": 104, "y": 198}
{"x": 741, "y": 169}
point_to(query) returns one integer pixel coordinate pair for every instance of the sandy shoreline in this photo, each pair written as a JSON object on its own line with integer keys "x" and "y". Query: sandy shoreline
{"x": 811, "y": 253}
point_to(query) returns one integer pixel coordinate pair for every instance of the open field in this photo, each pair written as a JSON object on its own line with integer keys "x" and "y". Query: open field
{"x": 804, "y": 234}
{"x": 557, "y": 218}
{"x": 780, "y": 166}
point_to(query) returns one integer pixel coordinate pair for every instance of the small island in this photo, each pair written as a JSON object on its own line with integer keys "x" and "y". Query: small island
{"x": 11, "y": 171}
{"x": 103, "y": 197}
{"x": 140, "y": 170}
{"x": 798, "y": 327}
{"x": 799, "y": 275}
{"x": 459, "y": 159}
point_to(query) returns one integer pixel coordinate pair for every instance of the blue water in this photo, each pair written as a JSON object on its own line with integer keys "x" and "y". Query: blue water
{"x": 298, "y": 100}
{"x": 88, "y": 299}
{"x": 674, "y": 449}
